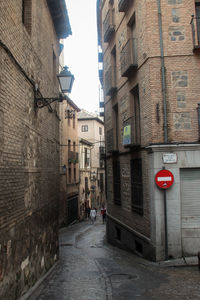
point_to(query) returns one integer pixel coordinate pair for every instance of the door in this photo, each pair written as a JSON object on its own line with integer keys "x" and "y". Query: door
{"x": 190, "y": 210}
{"x": 72, "y": 206}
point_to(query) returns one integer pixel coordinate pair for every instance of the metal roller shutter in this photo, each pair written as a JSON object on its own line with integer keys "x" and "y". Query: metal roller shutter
{"x": 190, "y": 210}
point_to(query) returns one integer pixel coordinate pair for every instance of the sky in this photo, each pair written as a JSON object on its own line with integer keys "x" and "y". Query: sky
{"x": 81, "y": 53}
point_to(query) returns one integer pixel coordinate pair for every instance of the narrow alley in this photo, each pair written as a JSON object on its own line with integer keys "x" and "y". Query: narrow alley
{"x": 91, "y": 269}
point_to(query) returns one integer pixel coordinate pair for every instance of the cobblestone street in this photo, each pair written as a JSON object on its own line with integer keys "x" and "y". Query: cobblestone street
{"x": 90, "y": 269}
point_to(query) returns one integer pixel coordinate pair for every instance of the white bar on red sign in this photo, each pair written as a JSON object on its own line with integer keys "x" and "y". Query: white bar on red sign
{"x": 164, "y": 178}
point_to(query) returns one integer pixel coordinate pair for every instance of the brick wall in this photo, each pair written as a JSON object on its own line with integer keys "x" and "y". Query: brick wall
{"x": 29, "y": 149}
{"x": 182, "y": 87}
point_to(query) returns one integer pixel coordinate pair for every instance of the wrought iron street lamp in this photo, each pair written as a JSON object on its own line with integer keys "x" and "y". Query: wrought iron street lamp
{"x": 66, "y": 80}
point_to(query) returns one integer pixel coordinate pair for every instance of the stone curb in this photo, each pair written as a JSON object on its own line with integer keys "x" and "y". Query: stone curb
{"x": 38, "y": 283}
{"x": 181, "y": 262}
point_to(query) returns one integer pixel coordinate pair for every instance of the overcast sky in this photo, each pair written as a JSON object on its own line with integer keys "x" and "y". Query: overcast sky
{"x": 81, "y": 53}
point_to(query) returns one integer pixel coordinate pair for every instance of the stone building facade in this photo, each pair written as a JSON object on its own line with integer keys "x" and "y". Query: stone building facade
{"x": 69, "y": 162}
{"x": 29, "y": 140}
{"x": 91, "y": 128}
{"x": 85, "y": 148}
{"x": 152, "y": 118}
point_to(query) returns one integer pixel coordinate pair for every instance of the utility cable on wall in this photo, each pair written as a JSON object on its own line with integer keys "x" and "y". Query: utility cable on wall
{"x": 23, "y": 72}
{"x": 7, "y": 50}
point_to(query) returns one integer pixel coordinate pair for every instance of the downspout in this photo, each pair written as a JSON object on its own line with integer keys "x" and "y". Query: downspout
{"x": 163, "y": 73}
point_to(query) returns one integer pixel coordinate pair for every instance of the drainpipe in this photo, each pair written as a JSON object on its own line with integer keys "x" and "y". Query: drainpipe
{"x": 163, "y": 73}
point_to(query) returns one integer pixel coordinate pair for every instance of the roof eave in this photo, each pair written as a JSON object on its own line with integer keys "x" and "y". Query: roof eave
{"x": 60, "y": 18}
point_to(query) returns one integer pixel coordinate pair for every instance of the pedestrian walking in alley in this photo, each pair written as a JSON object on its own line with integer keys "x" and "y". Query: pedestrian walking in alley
{"x": 103, "y": 213}
{"x": 96, "y": 213}
{"x": 93, "y": 215}
{"x": 88, "y": 212}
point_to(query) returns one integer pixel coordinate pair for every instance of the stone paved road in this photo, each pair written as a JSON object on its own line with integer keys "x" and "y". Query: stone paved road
{"x": 90, "y": 269}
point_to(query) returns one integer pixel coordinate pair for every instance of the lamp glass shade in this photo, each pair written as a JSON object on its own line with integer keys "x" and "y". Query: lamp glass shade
{"x": 66, "y": 80}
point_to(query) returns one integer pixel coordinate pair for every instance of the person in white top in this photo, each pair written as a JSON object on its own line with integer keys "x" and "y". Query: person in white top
{"x": 93, "y": 215}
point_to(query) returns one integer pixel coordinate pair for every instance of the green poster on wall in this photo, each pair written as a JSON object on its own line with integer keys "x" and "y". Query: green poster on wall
{"x": 127, "y": 135}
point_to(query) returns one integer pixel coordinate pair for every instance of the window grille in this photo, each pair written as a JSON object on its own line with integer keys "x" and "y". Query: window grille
{"x": 136, "y": 186}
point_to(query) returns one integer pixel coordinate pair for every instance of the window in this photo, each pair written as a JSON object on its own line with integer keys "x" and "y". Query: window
{"x": 136, "y": 186}
{"x": 70, "y": 175}
{"x": 135, "y": 121}
{"x": 68, "y": 118}
{"x": 133, "y": 37}
{"x": 69, "y": 148}
{"x": 101, "y": 156}
{"x": 67, "y": 115}
{"x": 86, "y": 187}
{"x": 74, "y": 174}
{"x": 74, "y": 146}
{"x": 84, "y": 128}
{"x": 69, "y": 145}
{"x": 27, "y": 14}
{"x": 100, "y": 131}
{"x": 87, "y": 157}
{"x": 74, "y": 119}
{"x": 101, "y": 182}
{"x": 116, "y": 182}
{"x": 116, "y": 127}
{"x": 101, "y": 152}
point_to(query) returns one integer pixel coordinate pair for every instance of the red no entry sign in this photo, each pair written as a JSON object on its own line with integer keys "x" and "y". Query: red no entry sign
{"x": 164, "y": 179}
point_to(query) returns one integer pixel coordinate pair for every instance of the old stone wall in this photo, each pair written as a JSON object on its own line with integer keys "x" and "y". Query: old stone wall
{"x": 29, "y": 148}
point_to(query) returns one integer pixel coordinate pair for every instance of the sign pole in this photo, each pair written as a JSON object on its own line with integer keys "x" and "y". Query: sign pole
{"x": 164, "y": 179}
{"x": 165, "y": 216}
{"x": 166, "y": 231}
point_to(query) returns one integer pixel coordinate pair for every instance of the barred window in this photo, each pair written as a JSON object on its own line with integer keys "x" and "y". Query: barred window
{"x": 116, "y": 182}
{"x": 136, "y": 186}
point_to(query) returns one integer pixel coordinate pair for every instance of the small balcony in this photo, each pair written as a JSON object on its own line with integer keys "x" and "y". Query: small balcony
{"x": 72, "y": 157}
{"x": 123, "y": 5}
{"x": 108, "y": 26}
{"x": 128, "y": 58}
{"x": 195, "y": 24}
{"x": 110, "y": 81}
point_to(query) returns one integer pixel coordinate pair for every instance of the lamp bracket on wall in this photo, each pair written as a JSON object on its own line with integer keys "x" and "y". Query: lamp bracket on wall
{"x": 41, "y": 102}
{"x": 69, "y": 113}
{"x": 65, "y": 79}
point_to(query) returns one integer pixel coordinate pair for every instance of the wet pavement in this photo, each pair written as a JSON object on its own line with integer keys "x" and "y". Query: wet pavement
{"x": 91, "y": 269}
